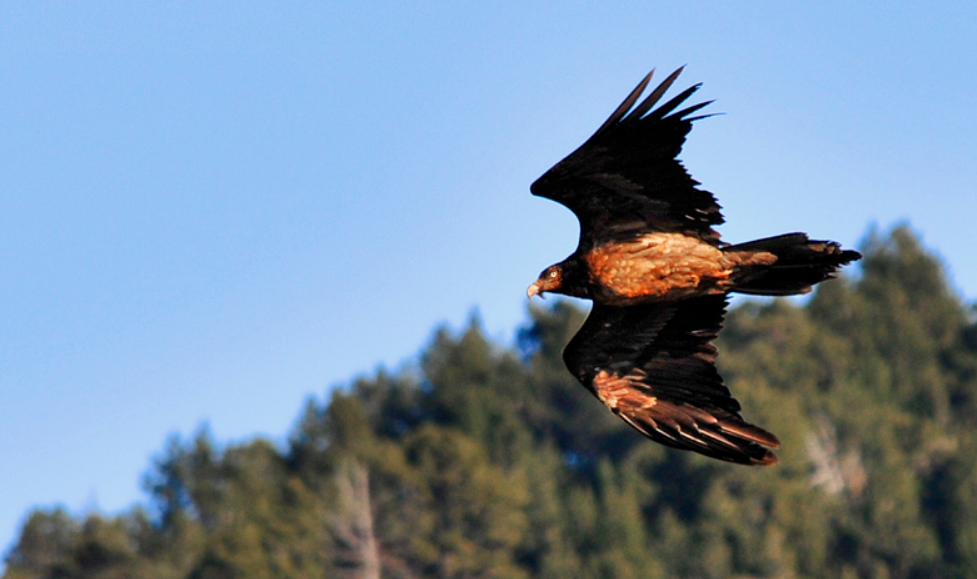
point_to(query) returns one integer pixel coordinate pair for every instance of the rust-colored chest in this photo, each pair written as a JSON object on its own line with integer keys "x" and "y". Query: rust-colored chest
{"x": 656, "y": 267}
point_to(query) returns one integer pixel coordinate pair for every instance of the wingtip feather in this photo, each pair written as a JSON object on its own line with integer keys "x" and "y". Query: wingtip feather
{"x": 751, "y": 433}
{"x": 655, "y": 95}
{"x": 748, "y": 444}
{"x": 768, "y": 459}
{"x": 627, "y": 111}
{"x": 717, "y": 436}
{"x": 664, "y": 110}
{"x": 626, "y": 105}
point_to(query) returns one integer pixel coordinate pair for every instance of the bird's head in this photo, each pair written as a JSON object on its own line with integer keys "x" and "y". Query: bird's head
{"x": 551, "y": 280}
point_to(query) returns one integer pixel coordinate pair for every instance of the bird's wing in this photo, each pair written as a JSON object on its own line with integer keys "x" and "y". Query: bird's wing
{"x": 654, "y": 366}
{"x": 626, "y": 179}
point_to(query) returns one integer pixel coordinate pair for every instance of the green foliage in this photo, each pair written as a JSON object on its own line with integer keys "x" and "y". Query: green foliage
{"x": 488, "y": 461}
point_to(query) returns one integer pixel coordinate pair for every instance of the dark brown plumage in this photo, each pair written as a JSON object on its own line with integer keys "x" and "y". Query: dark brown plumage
{"x": 659, "y": 276}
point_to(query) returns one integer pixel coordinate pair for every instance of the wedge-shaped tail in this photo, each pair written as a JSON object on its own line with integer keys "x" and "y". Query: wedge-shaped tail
{"x": 800, "y": 264}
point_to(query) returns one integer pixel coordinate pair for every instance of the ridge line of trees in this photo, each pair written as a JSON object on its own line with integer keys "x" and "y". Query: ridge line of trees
{"x": 491, "y": 461}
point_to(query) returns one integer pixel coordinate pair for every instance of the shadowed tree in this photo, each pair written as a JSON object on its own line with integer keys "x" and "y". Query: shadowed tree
{"x": 44, "y": 545}
{"x": 465, "y": 514}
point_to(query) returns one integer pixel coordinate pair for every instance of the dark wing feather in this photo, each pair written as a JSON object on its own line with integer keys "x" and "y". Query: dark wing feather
{"x": 654, "y": 366}
{"x": 626, "y": 178}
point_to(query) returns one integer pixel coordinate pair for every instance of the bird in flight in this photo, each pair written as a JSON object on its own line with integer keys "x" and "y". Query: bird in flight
{"x": 659, "y": 275}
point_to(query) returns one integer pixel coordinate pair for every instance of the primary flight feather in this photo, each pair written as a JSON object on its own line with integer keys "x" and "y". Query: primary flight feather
{"x": 659, "y": 276}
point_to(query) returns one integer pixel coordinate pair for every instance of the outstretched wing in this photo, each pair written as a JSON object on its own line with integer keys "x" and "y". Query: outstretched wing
{"x": 654, "y": 366}
{"x": 626, "y": 178}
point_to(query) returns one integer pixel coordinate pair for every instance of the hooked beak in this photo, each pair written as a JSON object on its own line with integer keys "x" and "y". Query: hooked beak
{"x": 534, "y": 290}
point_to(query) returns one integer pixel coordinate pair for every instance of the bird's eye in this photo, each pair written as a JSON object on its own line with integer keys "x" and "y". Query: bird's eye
{"x": 554, "y": 273}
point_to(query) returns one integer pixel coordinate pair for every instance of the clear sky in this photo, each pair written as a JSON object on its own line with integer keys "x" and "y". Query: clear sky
{"x": 212, "y": 210}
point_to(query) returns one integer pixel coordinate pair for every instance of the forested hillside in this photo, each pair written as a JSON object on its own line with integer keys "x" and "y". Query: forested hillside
{"x": 491, "y": 461}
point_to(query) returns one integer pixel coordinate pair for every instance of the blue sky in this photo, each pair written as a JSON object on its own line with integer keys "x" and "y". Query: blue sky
{"x": 211, "y": 211}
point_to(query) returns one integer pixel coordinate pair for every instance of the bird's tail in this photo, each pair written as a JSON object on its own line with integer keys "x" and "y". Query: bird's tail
{"x": 799, "y": 264}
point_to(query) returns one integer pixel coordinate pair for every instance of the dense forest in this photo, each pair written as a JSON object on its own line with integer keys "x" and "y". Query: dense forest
{"x": 488, "y": 460}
